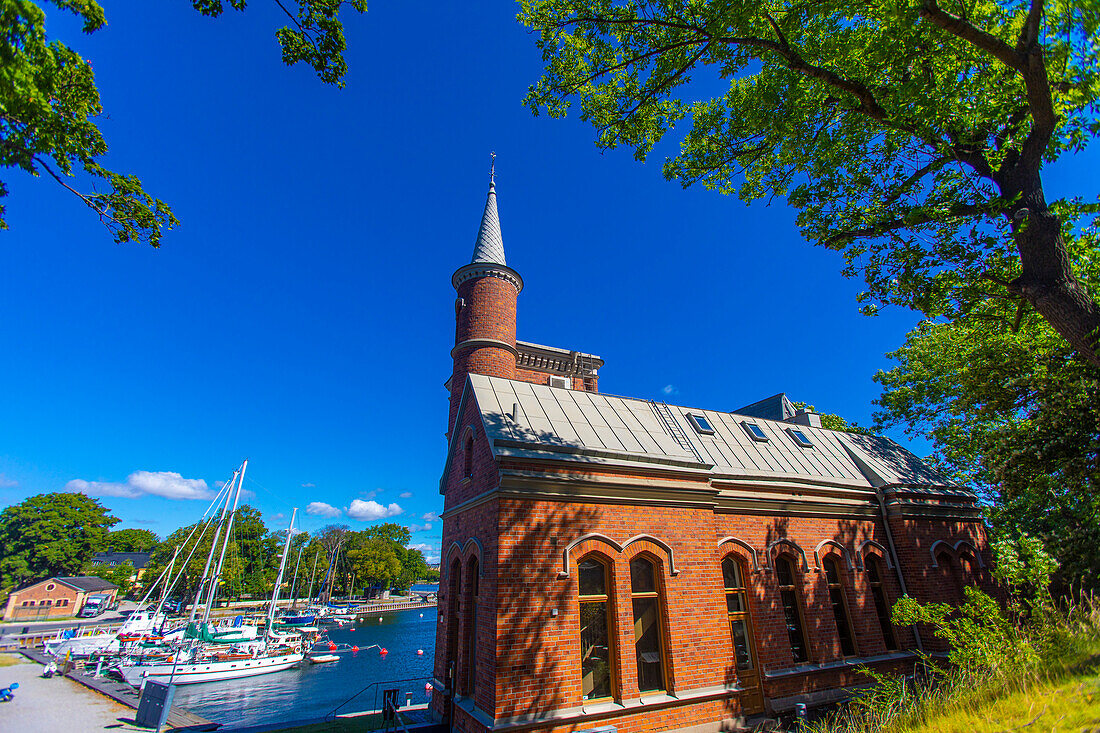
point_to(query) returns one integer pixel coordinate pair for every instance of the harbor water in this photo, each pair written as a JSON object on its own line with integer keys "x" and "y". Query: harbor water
{"x": 316, "y": 690}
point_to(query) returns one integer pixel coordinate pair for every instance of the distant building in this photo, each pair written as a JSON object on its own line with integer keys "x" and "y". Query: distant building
{"x": 140, "y": 560}
{"x": 625, "y": 562}
{"x": 41, "y": 600}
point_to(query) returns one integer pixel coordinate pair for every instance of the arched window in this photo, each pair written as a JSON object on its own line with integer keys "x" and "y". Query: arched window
{"x": 840, "y": 608}
{"x": 737, "y": 608}
{"x": 472, "y": 589}
{"x": 648, "y": 648}
{"x": 792, "y": 608}
{"x": 953, "y": 593}
{"x": 468, "y": 456}
{"x": 594, "y": 581}
{"x": 452, "y": 622}
{"x": 874, "y": 578}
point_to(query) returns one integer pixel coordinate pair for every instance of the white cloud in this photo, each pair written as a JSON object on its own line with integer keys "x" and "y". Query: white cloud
{"x": 166, "y": 484}
{"x": 429, "y": 551}
{"x": 430, "y": 517}
{"x": 420, "y": 527}
{"x": 7, "y": 483}
{"x": 405, "y": 495}
{"x": 309, "y": 486}
{"x": 321, "y": 509}
{"x": 368, "y": 510}
{"x": 670, "y": 389}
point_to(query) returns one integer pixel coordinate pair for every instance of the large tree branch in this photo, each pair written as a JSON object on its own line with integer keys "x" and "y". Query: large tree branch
{"x": 957, "y": 211}
{"x": 962, "y": 28}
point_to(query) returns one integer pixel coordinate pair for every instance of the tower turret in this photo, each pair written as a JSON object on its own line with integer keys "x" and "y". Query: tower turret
{"x": 485, "y": 310}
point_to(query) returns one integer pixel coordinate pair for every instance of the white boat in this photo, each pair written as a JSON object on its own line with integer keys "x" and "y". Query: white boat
{"x": 208, "y": 653}
{"x": 208, "y": 670}
{"x": 139, "y": 624}
{"x": 322, "y": 658}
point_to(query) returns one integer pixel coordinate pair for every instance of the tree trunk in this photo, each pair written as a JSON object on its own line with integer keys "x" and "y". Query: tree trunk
{"x": 1046, "y": 280}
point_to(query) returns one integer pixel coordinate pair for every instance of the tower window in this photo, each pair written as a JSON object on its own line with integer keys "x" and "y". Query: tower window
{"x": 468, "y": 456}
{"x": 800, "y": 438}
{"x": 647, "y": 625}
{"x": 596, "y": 654}
{"x": 699, "y": 422}
{"x": 754, "y": 431}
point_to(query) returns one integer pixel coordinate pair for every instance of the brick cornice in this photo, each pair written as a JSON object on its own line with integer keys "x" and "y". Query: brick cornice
{"x": 475, "y": 270}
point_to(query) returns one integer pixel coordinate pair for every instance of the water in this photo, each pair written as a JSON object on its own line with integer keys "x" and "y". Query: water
{"x": 315, "y": 690}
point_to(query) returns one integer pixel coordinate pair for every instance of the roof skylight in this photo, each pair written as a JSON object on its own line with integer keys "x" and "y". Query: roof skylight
{"x": 700, "y": 423}
{"x": 754, "y": 431}
{"x": 800, "y": 438}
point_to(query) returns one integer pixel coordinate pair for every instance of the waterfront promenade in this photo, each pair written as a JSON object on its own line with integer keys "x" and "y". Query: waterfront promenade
{"x": 58, "y": 704}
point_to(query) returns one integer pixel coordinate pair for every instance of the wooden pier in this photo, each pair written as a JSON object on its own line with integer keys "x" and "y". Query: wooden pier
{"x": 179, "y": 719}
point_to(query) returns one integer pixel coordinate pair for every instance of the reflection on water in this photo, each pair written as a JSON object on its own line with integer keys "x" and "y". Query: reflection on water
{"x": 315, "y": 690}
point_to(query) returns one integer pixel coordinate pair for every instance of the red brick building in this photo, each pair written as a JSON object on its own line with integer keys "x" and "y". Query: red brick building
{"x": 621, "y": 562}
{"x": 55, "y": 597}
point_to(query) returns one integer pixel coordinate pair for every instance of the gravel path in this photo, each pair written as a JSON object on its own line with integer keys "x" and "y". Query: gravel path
{"x": 57, "y": 705}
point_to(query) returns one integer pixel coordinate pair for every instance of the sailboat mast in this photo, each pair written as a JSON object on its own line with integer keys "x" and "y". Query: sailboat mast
{"x": 313, "y": 576}
{"x": 279, "y": 579}
{"x": 225, "y": 546}
{"x": 294, "y": 584}
{"x": 213, "y": 549}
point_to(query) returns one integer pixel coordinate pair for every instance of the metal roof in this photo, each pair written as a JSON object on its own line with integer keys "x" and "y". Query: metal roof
{"x": 537, "y": 421}
{"x": 490, "y": 245}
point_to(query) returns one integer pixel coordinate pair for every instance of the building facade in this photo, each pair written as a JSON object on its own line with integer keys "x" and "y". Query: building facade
{"x": 622, "y": 562}
{"x": 55, "y": 597}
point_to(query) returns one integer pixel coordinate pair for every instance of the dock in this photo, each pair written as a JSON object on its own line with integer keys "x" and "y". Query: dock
{"x": 179, "y": 719}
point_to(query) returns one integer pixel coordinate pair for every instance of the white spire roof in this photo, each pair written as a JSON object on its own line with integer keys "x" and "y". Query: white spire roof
{"x": 490, "y": 245}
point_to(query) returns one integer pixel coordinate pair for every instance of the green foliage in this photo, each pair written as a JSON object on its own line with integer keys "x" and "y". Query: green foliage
{"x": 911, "y": 139}
{"x": 119, "y": 575}
{"x": 49, "y": 102}
{"x": 1024, "y": 567}
{"x": 50, "y": 534}
{"x": 831, "y": 421}
{"x": 1012, "y": 413}
{"x": 132, "y": 540}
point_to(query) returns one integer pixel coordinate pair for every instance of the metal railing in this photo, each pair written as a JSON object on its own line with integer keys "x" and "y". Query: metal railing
{"x": 409, "y": 687}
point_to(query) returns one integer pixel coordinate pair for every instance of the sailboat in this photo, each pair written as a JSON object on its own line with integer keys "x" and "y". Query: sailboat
{"x": 209, "y": 653}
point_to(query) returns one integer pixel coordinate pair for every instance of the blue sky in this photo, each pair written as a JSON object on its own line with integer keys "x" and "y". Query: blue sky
{"x": 301, "y": 315}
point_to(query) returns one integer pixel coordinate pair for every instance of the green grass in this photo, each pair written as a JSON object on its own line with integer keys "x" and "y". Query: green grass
{"x": 1073, "y": 705}
{"x": 9, "y": 660}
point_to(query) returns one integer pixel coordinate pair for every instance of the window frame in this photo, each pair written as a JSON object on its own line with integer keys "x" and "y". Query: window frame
{"x": 610, "y": 616}
{"x": 658, "y": 595}
{"x": 748, "y": 425}
{"x": 800, "y": 438}
{"x": 468, "y": 455}
{"x": 700, "y": 422}
{"x": 743, "y": 615}
{"x": 845, "y": 606}
{"x": 799, "y": 604}
{"x": 882, "y": 603}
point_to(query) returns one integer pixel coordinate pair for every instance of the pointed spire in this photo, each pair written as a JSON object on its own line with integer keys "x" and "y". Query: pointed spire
{"x": 490, "y": 245}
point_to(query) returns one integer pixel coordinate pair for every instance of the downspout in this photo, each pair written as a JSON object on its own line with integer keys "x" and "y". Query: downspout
{"x": 894, "y": 557}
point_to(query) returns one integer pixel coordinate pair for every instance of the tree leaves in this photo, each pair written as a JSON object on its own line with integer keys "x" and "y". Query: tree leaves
{"x": 49, "y": 103}
{"x": 911, "y": 140}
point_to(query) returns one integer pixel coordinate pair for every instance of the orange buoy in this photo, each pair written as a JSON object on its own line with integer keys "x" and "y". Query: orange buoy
{"x": 355, "y": 648}
{"x": 383, "y": 651}
{"x": 331, "y": 647}
{"x": 419, "y": 652}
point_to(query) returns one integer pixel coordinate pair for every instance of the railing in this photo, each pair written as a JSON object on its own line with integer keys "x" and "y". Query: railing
{"x": 374, "y": 718}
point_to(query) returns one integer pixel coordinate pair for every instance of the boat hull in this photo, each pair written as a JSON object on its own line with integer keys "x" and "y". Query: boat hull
{"x": 193, "y": 673}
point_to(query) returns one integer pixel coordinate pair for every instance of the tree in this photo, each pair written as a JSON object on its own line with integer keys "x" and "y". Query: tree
{"x": 1012, "y": 413}
{"x": 119, "y": 574}
{"x": 132, "y": 540}
{"x": 49, "y": 100}
{"x": 49, "y": 535}
{"x": 911, "y": 138}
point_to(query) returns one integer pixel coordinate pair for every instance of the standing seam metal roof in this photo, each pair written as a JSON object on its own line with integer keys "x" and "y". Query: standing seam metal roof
{"x": 633, "y": 429}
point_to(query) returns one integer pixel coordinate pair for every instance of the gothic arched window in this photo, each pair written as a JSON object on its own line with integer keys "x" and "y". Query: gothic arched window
{"x": 840, "y": 608}
{"x": 789, "y": 597}
{"x": 594, "y": 581}
{"x": 646, "y": 601}
{"x": 878, "y": 593}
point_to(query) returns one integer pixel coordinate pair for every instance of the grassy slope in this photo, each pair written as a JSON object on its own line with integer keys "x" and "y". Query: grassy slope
{"x": 1071, "y": 705}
